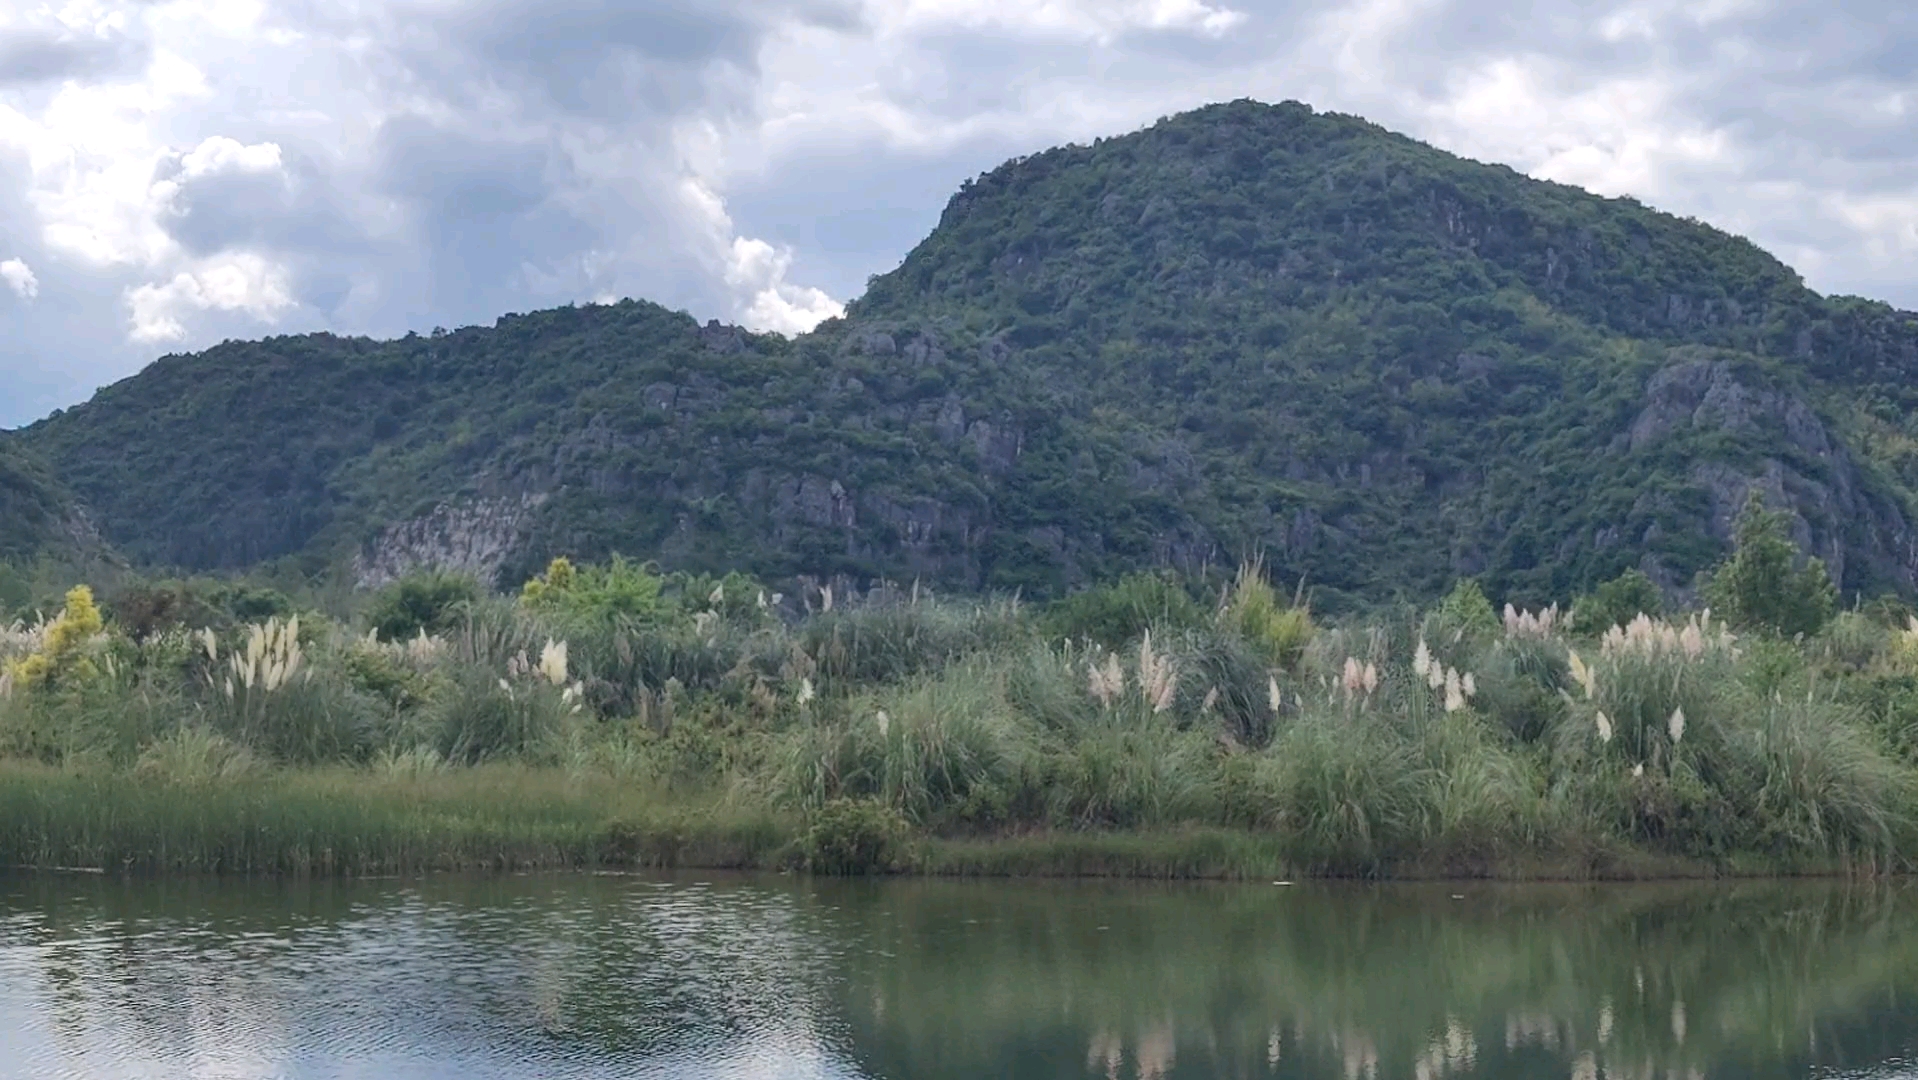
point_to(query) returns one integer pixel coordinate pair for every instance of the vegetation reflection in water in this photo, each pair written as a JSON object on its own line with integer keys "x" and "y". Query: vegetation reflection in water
{"x": 769, "y": 977}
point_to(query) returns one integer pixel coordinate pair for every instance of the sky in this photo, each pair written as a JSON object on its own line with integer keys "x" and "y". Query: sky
{"x": 174, "y": 173}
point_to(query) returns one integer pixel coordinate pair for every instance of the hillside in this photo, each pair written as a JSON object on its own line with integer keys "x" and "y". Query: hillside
{"x": 1247, "y": 327}
{"x": 36, "y": 516}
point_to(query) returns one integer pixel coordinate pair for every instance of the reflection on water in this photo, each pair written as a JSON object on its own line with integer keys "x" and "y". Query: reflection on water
{"x": 712, "y": 976}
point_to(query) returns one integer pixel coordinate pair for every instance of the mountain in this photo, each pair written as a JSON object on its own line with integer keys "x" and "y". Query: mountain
{"x": 1246, "y": 328}
{"x": 37, "y": 517}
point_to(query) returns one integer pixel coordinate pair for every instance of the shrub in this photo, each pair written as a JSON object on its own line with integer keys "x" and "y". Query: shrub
{"x": 1853, "y": 641}
{"x": 1279, "y": 632}
{"x": 617, "y": 589}
{"x": 1759, "y": 588}
{"x": 196, "y": 755}
{"x": 1466, "y": 611}
{"x": 1116, "y": 614}
{"x": 432, "y": 602}
{"x": 1130, "y": 775}
{"x": 1350, "y": 796}
{"x": 62, "y": 657}
{"x": 853, "y": 836}
{"x": 16, "y": 592}
{"x": 1225, "y": 680}
{"x": 1617, "y": 602}
{"x": 1522, "y": 685}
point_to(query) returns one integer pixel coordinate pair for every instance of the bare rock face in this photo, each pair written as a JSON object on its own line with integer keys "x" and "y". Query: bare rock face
{"x": 470, "y": 538}
{"x": 1803, "y": 468}
{"x": 1699, "y": 391}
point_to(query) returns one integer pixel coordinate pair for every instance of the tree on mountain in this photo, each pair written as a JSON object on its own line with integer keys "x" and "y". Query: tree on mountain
{"x": 1761, "y": 588}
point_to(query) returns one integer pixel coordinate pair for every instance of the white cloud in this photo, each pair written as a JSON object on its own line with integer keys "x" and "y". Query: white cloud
{"x": 1093, "y": 20}
{"x": 236, "y": 283}
{"x": 756, "y": 271}
{"x": 20, "y": 278}
{"x": 219, "y": 154}
{"x": 760, "y": 270}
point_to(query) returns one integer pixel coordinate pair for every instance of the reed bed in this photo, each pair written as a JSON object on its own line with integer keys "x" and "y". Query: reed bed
{"x": 1228, "y": 735}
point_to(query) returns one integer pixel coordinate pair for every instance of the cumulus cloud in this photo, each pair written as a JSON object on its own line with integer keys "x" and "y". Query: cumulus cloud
{"x": 178, "y": 171}
{"x": 19, "y": 277}
{"x": 235, "y": 283}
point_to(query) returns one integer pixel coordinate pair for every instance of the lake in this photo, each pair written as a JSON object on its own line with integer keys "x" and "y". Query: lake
{"x": 708, "y": 976}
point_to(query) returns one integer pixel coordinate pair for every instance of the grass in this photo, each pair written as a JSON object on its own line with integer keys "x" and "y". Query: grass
{"x": 967, "y": 738}
{"x": 339, "y": 821}
{"x": 362, "y": 822}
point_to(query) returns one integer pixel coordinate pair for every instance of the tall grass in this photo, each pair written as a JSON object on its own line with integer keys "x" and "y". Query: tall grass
{"x": 353, "y": 821}
{"x": 1451, "y": 741}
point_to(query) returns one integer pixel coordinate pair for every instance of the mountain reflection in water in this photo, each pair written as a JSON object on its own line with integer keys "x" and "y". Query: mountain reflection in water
{"x": 698, "y": 976}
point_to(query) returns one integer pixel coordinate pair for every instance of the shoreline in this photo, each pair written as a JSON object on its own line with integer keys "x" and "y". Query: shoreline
{"x": 357, "y": 824}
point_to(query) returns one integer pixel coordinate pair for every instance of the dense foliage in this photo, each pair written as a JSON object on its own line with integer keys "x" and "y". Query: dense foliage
{"x": 1247, "y": 329}
{"x": 32, "y": 508}
{"x": 1454, "y": 739}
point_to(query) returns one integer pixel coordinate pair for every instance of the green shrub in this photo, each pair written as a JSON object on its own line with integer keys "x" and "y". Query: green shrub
{"x": 1616, "y": 603}
{"x": 1852, "y": 641}
{"x": 1224, "y": 679}
{"x": 1350, "y": 796}
{"x": 942, "y": 752}
{"x": 1277, "y": 631}
{"x": 197, "y": 755}
{"x": 1466, "y": 611}
{"x": 617, "y": 589}
{"x": 1522, "y": 686}
{"x": 432, "y": 602}
{"x": 849, "y": 837}
{"x": 16, "y": 591}
{"x": 1117, "y": 614}
{"x": 1760, "y": 588}
{"x": 1132, "y": 775}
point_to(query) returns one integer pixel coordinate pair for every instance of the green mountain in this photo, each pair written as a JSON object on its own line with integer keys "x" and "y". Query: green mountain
{"x": 37, "y": 517}
{"x": 1246, "y": 328}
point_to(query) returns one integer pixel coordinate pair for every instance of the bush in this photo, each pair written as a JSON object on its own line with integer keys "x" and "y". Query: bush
{"x": 1466, "y": 611}
{"x": 1350, "y": 796}
{"x": 144, "y": 609}
{"x": 1132, "y": 775}
{"x": 431, "y": 603}
{"x": 1232, "y": 674}
{"x": 616, "y": 590}
{"x": 1617, "y": 602}
{"x": 849, "y": 837}
{"x": 1277, "y": 631}
{"x": 1117, "y": 614}
{"x": 16, "y": 592}
{"x": 196, "y": 755}
{"x": 1824, "y": 790}
{"x": 1759, "y": 588}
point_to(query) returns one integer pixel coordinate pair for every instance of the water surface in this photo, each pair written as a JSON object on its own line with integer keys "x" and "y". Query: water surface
{"x": 707, "y": 976}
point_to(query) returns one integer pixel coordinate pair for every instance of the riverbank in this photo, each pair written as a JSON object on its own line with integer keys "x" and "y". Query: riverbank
{"x": 354, "y": 823}
{"x": 1132, "y": 730}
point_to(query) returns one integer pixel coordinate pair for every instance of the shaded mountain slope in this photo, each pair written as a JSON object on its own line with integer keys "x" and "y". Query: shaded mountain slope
{"x": 1246, "y": 328}
{"x": 37, "y": 517}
